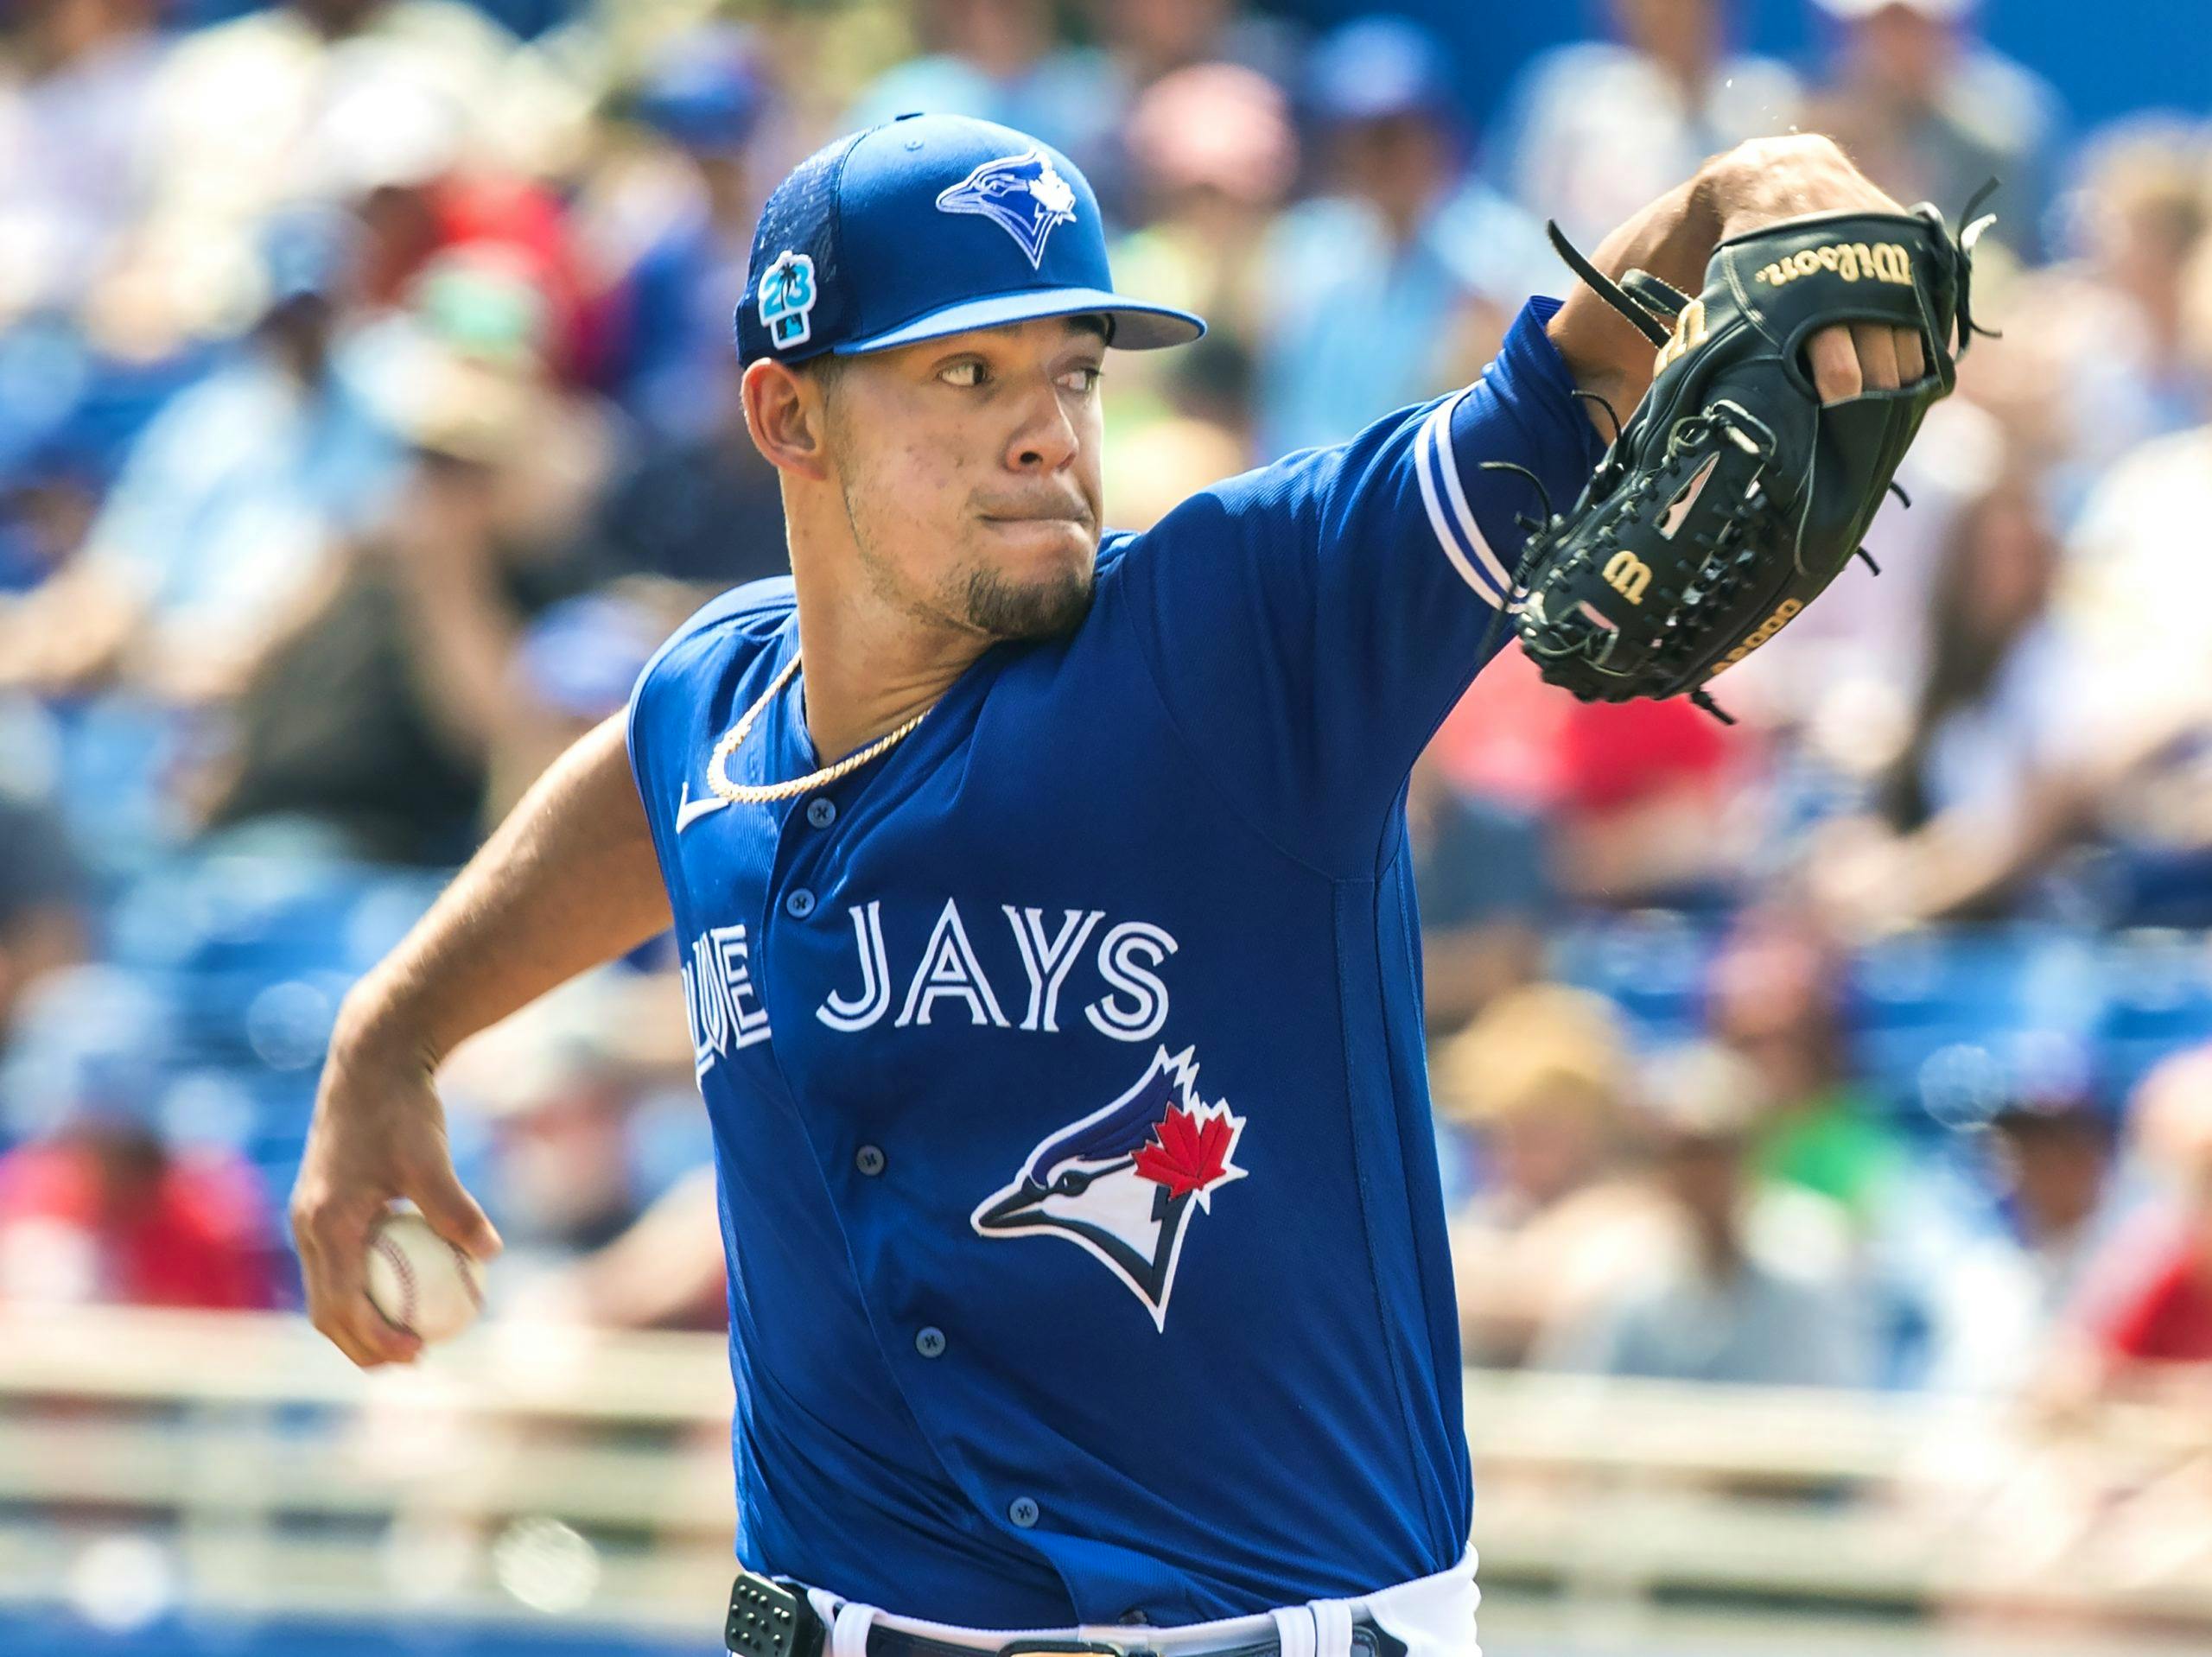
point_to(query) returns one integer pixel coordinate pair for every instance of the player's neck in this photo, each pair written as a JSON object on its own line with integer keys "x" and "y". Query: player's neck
{"x": 867, "y": 669}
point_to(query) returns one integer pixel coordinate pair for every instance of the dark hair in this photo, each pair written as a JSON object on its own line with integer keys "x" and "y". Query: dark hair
{"x": 1965, "y": 651}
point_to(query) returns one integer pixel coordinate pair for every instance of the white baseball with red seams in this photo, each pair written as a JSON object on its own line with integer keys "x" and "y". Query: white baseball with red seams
{"x": 419, "y": 1281}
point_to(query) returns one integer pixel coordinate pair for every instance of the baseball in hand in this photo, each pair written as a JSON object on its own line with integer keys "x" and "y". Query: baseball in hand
{"x": 420, "y": 1283}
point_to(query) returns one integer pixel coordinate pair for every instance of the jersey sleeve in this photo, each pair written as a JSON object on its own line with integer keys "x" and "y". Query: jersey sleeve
{"x": 664, "y": 703}
{"x": 1310, "y": 625}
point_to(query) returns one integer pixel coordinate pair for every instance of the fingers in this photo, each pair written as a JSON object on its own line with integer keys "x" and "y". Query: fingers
{"x": 1834, "y": 361}
{"x": 1877, "y": 350}
{"x": 453, "y": 1213}
{"x": 378, "y": 1134}
{"x": 333, "y": 1238}
{"x": 1849, "y": 358}
{"x": 1912, "y": 361}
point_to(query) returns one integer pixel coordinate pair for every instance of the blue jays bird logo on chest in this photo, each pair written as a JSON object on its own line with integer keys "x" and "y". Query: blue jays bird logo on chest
{"x": 1124, "y": 1184}
{"x": 1023, "y": 194}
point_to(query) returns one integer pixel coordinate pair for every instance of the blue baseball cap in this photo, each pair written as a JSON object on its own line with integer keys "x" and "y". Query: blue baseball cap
{"x": 928, "y": 226}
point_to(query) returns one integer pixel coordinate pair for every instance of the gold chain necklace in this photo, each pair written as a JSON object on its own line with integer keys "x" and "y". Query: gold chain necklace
{"x": 763, "y": 793}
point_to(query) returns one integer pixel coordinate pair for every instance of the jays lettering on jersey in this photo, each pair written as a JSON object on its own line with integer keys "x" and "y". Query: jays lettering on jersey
{"x": 1087, "y": 1255}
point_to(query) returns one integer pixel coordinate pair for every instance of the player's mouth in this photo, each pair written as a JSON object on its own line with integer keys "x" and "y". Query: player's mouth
{"x": 1055, "y": 535}
{"x": 1076, "y": 518}
{"x": 1041, "y": 508}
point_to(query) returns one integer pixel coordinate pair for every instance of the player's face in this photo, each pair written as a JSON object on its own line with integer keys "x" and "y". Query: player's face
{"x": 970, "y": 467}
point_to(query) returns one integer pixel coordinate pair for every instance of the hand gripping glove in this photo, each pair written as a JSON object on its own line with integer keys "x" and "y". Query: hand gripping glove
{"x": 1733, "y": 497}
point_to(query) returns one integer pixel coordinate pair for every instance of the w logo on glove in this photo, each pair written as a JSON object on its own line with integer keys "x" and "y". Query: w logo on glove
{"x": 1628, "y": 575}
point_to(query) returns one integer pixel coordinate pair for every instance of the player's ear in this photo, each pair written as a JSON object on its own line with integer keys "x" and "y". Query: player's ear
{"x": 785, "y": 411}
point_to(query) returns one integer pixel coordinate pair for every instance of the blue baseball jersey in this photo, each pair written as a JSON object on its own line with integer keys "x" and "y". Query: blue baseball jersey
{"x": 1087, "y": 1257}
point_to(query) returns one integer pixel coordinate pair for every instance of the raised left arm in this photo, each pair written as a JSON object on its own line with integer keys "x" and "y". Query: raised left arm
{"x": 1756, "y": 184}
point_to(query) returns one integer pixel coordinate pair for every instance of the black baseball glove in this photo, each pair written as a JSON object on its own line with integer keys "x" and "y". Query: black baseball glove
{"x": 1733, "y": 497}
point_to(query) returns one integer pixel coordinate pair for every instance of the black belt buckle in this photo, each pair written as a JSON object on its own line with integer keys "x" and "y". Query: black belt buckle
{"x": 767, "y": 1619}
{"x": 1066, "y": 1648}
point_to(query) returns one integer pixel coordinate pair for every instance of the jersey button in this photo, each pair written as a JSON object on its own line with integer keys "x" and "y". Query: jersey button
{"x": 1022, "y": 1511}
{"x": 869, "y": 1160}
{"x": 800, "y": 905}
{"x": 929, "y": 1342}
{"x": 821, "y": 813}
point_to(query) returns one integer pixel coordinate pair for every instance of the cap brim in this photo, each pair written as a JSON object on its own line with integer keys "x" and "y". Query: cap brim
{"x": 1137, "y": 326}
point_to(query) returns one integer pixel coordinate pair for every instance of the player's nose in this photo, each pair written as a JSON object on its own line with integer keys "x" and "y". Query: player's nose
{"x": 1047, "y": 438}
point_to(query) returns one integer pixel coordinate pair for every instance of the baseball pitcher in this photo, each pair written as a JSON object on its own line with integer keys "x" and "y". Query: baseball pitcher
{"x": 1042, "y": 891}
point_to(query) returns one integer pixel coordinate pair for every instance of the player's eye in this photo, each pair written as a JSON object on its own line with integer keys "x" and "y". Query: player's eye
{"x": 966, "y": 375}
{"x": 1084, "y": 380}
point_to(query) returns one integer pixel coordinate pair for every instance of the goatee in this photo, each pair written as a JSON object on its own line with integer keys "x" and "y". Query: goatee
{"x": 1042, "y": 609}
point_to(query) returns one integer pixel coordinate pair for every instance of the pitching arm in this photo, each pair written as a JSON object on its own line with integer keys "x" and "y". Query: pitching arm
{"x": 568, "y": 881}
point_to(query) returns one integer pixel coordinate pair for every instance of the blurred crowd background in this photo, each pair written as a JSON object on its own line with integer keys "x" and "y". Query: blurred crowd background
{"x": 366, "y": 416}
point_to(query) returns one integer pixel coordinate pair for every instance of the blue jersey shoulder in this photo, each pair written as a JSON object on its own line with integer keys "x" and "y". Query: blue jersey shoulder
{"x": 1309, "y": 624}
{"x": 748, "y": 607}
{"x": 1523, "y": 408}
{"x": 757, "y": 608}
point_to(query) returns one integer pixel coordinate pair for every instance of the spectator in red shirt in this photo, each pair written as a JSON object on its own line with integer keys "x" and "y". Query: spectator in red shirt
{"x": 2149, "y": 1301}
{"x": 2169, "y": 1317}
{"x": 96, "y": 1206}
{"x": 1636, "y": 794}
{"x": 397, "y": 154}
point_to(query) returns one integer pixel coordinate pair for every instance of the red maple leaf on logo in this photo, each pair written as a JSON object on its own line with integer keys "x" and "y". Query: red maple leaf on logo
{"x": 1190, "y": 1152}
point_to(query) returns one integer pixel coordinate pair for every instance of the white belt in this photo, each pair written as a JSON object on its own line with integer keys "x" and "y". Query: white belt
{"x": 1434, "y": 1615}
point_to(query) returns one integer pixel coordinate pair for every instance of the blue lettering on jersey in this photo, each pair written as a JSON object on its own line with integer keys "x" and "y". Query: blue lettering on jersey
{"x": 954, "y": 1023}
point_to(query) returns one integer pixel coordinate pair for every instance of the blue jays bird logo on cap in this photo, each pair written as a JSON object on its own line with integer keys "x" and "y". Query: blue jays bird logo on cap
{"x": 1123, "y": 1182}
{"x": 787, "y": 296}
{"x": 1022, "y": 194}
